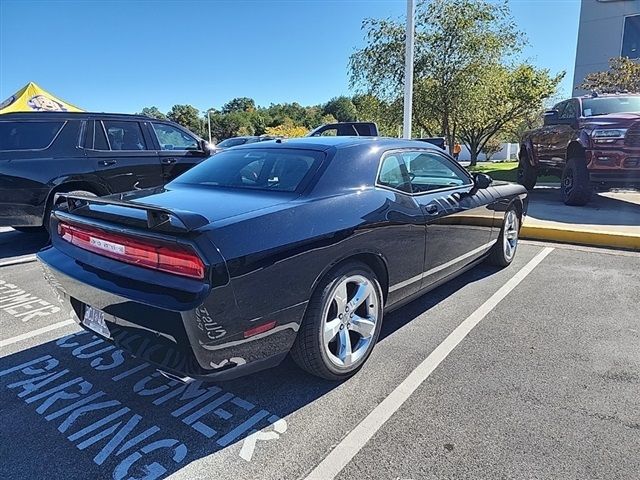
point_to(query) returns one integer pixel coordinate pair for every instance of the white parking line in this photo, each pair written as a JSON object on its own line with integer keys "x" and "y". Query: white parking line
{"x": 344, "y": 452}
{"x": 34, "y": 333}
{"x": 19, "y": 260}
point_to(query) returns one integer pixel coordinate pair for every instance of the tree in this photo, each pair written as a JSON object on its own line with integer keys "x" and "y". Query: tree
{"x": 308, "y": 117}
{"x": 623, "y": 76}
{"x": 287, "y": 129}
{"x": 513, "y": 132}
{"x": 454, "y": 41}
{"x": 231, "y": 124}
{"x": 342, "y": 108}
{"x": 491, "y": 147}
{"x": 153, "y": 112}
{"x": 187, "y": 116}
{"x": 239, "y": 104}
{"x": 387, "y": 115}
{"x": 500, "y": 98}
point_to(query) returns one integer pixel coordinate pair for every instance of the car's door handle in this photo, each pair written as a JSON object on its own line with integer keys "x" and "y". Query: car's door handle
{"x": 431, "y": 208}
{"x": 169, "y": 161}
{"x": 106, "y": 163}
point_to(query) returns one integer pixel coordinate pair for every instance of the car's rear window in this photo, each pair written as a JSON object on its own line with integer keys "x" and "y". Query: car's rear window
{"x": 28, "y": 135}
{"x": 281, "y": 170}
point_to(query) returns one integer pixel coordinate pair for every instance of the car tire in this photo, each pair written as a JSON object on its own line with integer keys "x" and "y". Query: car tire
{"x": 47, "y": 213}
{"x": 527, "y": 173}
{"x": 504, "y": 250}
{"x": 330, "y": 324}
{"x": 575, "y": 186}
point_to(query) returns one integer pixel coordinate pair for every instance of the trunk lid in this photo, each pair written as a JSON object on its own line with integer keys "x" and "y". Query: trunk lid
{"x": 212, "y": 203}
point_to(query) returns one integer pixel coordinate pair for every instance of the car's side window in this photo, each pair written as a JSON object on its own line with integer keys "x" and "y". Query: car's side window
{"x": 394, "y": 174}
{"x": 36, "y": 135}
{"x": 123, "y": 135}
{"x": 99, "y": 137}
{"x": 431, "y": 171}
{"x": 569, "y": 111}
{"x": 172, "y": 138}
{"x": 560, "y": 108}
{"x": 330, "y": 132}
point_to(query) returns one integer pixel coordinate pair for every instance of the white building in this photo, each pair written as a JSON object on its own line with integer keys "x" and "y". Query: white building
{"x": 608, "y": 28}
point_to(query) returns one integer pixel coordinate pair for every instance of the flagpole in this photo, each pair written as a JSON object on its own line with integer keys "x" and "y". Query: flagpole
{"x": 408, "y": 69}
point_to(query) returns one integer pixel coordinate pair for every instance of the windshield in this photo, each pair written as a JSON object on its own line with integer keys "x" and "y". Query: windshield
{"x": 280, "y": 170}
{"x": 232, "y": 142}
{"x": 604, "y": 105}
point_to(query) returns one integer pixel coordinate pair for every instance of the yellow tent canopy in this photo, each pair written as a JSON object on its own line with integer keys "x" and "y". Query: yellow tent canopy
{"x": 32, "y": 98}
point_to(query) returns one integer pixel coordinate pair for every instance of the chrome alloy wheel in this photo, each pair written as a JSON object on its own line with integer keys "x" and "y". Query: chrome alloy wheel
{"x": 510, "y": 234}
{"x": 350, "y": 317}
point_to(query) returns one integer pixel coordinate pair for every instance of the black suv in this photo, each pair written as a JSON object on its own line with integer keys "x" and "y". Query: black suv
{"x": 43, "y": 153}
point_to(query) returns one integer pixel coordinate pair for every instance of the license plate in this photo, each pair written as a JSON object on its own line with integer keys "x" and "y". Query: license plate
{"x": 94, "y": 320}
{"x": 107, "y": 246}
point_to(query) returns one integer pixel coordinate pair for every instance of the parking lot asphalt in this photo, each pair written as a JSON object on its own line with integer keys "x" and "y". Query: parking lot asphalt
{"x": 545, "y": 384}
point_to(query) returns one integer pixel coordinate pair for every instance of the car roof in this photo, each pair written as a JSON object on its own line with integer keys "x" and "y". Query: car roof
{"x": 604, "y": 95}
{"x": 77, "y": 115}
{"x": 339, "y": 142}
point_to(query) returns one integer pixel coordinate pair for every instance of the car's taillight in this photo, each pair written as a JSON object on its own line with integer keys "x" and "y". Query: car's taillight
{"x": 174, "y": 259}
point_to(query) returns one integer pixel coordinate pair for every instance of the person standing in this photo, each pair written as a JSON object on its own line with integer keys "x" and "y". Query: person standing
{"x": 456, "y": 150}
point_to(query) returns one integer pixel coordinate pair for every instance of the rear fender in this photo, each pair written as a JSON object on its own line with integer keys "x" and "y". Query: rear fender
{"x": 356, "y": 255}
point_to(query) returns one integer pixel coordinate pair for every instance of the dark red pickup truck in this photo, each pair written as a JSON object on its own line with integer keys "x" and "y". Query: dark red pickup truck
{"x": 590, "y": 141}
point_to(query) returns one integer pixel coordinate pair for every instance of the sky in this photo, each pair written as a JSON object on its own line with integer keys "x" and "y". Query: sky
{"x": 121, "y": 56}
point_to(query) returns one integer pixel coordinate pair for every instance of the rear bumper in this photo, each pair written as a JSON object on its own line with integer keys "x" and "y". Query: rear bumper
{"x": 179, "y": 336}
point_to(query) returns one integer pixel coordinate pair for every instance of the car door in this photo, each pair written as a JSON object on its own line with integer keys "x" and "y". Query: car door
{"x": 550, "y": 140}
{"x": 563, "y": 132}
{"x": 177, "y": 149}
{"x": 457, "y": 214}
{"x": 406, "y": 234}
{"x": 123, "y": 159}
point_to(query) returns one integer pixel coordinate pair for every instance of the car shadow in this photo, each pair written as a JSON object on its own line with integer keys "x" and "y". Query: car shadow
{"x": 91, "y": 412}
{"x": 15, "y": 244}
{"x": 605, "y": 208}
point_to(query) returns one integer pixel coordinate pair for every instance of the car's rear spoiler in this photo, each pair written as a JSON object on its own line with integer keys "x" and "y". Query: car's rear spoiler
{"x": 158, "y": 218}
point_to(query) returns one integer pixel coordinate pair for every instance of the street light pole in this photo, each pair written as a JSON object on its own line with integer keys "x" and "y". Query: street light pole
{"x": 408, "y": 70}
{"x": 209, "y": 123}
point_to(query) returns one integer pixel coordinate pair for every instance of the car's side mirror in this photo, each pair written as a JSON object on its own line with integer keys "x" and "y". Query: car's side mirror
{"x": 206, "y": 147}
{"x": 482, "y": 180}
{"x": 550, "y": 117}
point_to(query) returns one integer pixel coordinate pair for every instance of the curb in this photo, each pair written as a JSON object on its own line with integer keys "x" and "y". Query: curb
{"x": 593, "y": 238}
{"x": 19, "y": 260}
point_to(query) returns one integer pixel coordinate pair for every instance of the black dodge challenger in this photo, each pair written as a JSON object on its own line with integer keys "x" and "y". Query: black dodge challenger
{"x": 293, "y": 246}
